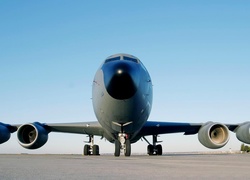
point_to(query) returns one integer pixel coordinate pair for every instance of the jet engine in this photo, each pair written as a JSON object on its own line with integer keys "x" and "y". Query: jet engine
{"x": 243, "y": 132}
{"x": 4, "y": 133}
{"x": 32, "y": 136}
{"x": 213, "y": 135}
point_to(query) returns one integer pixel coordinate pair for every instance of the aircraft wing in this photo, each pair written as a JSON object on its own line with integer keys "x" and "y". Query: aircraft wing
{"x": 212, "y": 135}
{"x": 35, "y": 135}
{"x": 90, "y": 128}
{"x": 155, "y": 128}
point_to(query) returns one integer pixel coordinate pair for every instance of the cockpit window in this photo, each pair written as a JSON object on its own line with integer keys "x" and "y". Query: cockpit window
{"x": 130, "y": 59}
{"x": 112, "y": 59}
{"x": 122, "y": 57}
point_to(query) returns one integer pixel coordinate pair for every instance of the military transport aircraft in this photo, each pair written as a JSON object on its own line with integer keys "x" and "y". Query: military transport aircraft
{"x": 122, "y": 101}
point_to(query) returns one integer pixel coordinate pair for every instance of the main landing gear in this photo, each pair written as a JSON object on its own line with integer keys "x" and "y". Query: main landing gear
{"x": 154, "y": 149}
{"x": 91, "y": 149}
{"x": 123, "y": 143}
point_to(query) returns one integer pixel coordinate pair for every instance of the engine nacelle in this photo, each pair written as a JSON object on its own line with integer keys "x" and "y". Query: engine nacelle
{"x": 213, "y": 135}
{"x": 4, "y": 133}
{"x": 32, "y": 136}
{"x": 243, "y": 132}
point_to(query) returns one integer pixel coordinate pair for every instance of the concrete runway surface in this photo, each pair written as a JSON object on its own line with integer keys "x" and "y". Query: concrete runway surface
{"x": 169, "y": 166}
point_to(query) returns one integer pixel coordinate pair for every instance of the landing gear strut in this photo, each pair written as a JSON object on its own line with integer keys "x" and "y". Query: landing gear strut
{"x": 123, "y": 143}
{"x": 154, "y": 149}
{"x": 91, "y": 149}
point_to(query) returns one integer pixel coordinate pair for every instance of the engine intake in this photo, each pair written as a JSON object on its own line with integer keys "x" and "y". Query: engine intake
{"x": 32, "y": 136}
{"x": 243, "y": 132}
{"x": 213, "y": 135}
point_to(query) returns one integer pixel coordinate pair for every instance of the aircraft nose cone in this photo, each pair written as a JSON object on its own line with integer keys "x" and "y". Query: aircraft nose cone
{"x": 120, "y": 79}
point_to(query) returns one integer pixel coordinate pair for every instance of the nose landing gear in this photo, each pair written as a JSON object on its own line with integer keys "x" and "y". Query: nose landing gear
{"x": 123, "y": 143}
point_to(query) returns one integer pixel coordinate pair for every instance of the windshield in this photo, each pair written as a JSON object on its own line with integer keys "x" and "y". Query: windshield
{"x": 130, "y": 59}
{"x": 113, "y": 59}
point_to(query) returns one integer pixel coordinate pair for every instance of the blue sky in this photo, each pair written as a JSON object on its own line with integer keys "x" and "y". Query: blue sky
{"x": 197, "y": 53}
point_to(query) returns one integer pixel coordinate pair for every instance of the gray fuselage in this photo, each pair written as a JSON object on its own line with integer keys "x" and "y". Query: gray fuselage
{"x": 122, "y": 96}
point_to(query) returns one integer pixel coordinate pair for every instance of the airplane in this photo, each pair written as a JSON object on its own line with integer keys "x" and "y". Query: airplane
{"x": 122, "y": 97}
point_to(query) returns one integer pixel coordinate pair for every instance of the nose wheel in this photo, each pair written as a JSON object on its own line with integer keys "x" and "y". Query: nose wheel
{"x": 123, "y": 143}
{"x": 117, "y": 148}
{"x": 127, "y": 150}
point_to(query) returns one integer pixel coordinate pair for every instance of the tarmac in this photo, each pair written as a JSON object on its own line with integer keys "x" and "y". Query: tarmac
{"x": 168, "y": 166}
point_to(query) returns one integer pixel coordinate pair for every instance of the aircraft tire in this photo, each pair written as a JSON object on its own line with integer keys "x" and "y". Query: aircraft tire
{"x": 127, "y": 148}
{"x": 96, "y": 150}
{"x": 86, "y": 150}
{"x": 150, "y": 149}
{"x": 159, "y": 149}
{"x": 117, "y": 148}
